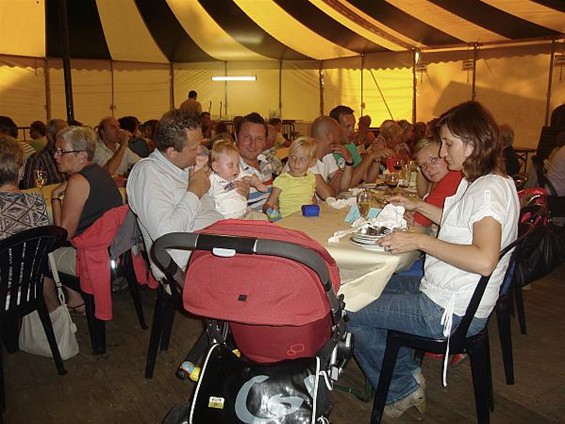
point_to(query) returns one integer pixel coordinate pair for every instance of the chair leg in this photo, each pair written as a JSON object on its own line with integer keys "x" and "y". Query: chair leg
{"x": 156, "y": 333}
{"x": 385, "y": 377}
{"x": 134, "y": 289}
{"x": 2, "y": 384}
{"x": 48, "y": 327}
{"x": 482, "y": 380}
{"x": 96, "y": 327}
{"x": 170, "y": 305}
{"x": 519, "y": 296}
{"x": 504, "y": 331}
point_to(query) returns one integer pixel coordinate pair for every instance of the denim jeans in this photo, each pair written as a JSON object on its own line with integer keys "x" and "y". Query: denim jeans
{"x": 400, "y": 307}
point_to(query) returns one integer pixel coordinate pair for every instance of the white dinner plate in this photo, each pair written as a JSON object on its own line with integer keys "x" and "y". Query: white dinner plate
{"x": 369, "y": 246}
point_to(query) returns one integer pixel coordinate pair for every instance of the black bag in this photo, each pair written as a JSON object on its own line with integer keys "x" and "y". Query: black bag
{"x": 234, "y": 390}
{"x": 542, "y": 251}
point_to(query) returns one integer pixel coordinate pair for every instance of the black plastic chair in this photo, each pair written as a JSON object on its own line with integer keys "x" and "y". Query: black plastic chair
{"x": 97, "y": 327}
{"x": 477, "y": 346}
{"x": 169, "y": 300}
{"x": 23, "y": 261}
{"x": 504, "y": 306}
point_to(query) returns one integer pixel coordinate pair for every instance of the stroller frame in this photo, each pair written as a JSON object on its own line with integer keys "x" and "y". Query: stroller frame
{"x": 334, "y": 354}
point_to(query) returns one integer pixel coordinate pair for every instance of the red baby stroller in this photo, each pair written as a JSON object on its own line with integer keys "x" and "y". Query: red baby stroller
{"x": 270, "y": 293}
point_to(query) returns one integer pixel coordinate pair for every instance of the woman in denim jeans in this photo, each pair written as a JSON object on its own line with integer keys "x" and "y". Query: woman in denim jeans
{"x": 475, "y": 224}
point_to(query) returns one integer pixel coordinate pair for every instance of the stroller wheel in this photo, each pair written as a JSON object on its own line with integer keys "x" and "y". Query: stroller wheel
{"x": 178, "y": 414}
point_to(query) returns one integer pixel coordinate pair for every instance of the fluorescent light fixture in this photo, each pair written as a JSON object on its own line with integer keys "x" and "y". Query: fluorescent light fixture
{"x": 235, "y": 78}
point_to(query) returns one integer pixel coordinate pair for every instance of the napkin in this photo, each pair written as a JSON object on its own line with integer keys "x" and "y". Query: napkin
{"x": 353, "y": 214}
{"x": 341, "y": 203}
{"x": 391, "y": 217}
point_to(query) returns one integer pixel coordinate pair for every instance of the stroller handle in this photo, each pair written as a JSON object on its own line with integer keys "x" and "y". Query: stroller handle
{"x": 244, "y": 245}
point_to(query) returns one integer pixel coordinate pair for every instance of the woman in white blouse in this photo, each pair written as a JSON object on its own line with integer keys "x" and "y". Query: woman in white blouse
{"x": 475, "y": 224}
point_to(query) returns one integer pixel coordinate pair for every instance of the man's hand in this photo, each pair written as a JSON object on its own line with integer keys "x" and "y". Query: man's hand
{"x": 199, "y": 181}
{"x": 342, "y": 150}
{"x": 243, "y": 186}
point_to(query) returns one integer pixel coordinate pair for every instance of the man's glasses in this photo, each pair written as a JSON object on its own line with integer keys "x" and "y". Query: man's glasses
{"x": 61, "y": 152}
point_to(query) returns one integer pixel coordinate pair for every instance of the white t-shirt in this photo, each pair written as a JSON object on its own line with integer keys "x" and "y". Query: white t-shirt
{"x": 556, "y": 171}
{"x": 491, "y": 196}
{"x": 325, "y": 167}
{"x": 227, "y": 200}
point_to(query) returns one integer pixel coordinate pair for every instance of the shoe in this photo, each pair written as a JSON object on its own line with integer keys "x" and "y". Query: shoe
{"x": 77, "y": 309}
{"x": 417, "y": 399}
{"x": 119, "y": 284}
{"x": 457, "y": 359}
{"x": 419, "y": 377}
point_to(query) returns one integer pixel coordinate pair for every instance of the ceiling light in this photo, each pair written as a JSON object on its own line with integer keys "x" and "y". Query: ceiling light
{"x": 235, "y": 78}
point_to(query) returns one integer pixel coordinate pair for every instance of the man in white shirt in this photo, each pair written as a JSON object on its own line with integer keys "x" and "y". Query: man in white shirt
{"x": 164, "y": 192}
{"x": 112, "y": 151}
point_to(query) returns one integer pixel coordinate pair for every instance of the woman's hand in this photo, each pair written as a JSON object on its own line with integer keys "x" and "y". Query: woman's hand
{"x": 401, "y": 242}
{"x": 59, "y": 190}
{"x": 400, "y": 200}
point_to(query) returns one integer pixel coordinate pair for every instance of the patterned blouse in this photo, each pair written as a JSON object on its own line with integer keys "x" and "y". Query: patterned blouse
{"x": 21, "y": 211}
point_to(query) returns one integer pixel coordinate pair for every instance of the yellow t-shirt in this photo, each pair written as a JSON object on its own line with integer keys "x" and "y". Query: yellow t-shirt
{"x": 295, "y": 192}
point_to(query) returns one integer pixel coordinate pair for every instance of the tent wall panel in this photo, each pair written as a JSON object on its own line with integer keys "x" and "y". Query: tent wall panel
{"x": 300, "y": 90}
{"x": 22, "y": 89}
{"x": 198, "y": 76}
{"x": 141, "y": 90}
{"x": 260, "y": 96}
{"x": 440, "y": 87}
{"x": 516, "y": 94}
{"x": 387, "y": 94}
{"x": 92, "y": 90}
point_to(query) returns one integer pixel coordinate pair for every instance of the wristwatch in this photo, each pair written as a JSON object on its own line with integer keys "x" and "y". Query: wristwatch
{"x": 348, "y": 163}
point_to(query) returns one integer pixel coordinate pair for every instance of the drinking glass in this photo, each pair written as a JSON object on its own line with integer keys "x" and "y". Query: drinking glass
{"x": 404, "y": 179}
{"x": 39, "y": 178}
{"x": 392, "y": 182}
{"x": 364, "y": 203}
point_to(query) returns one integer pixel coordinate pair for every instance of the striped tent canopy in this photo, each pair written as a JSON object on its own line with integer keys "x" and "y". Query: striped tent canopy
{"x": 182, "y": 31}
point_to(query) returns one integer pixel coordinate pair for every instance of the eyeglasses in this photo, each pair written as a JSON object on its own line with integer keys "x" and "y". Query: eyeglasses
{"x": 432, "y": 162}
{"x": 61, "y": 152}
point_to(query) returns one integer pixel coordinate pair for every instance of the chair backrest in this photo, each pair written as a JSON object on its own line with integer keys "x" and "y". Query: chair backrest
{"x": 23, "y": 261}
{"x": 463, "y": 326}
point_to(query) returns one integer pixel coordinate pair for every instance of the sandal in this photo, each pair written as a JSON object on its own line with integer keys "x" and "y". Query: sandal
{"x": 77, "y": 309}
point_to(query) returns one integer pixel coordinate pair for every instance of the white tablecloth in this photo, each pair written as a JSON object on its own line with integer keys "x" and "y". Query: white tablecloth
{"x": 364, "y": 273}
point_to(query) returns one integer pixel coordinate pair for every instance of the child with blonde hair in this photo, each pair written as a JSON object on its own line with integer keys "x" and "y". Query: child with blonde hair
{"x": 296, "y": 186}
{"x": 224, "y": 162}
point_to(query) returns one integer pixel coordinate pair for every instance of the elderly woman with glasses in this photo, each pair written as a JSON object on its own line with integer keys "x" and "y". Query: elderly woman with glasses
{"x": 78, "y": 202}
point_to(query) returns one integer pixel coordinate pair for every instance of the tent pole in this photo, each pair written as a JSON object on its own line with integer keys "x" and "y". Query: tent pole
{"x": 66, "y": 53}
{"x": 475, "y": 54}
{"x": 47, "y": 78}
{"x": 414, "y": 84}
{"x": 280, "y": 88}
{"x": 113, "y": 105}
{"x": 172, "y": 85}
{"x": 226, "y": 91}
{"x": 550, "y": 82}
{"x": 321, "y": 80}
{"x": 362, "y": 84}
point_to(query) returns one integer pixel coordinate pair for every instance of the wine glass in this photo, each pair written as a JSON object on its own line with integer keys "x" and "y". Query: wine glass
{"x": 39, "y": 177}
{"x": 364, "y": 203}
{"x": 392, "y": 182}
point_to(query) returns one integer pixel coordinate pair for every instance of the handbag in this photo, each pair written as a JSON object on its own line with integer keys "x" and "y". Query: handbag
{"x": 541, "y": 252}
{"x": 32, "y": 334}
{"x": 232, "y": 389}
